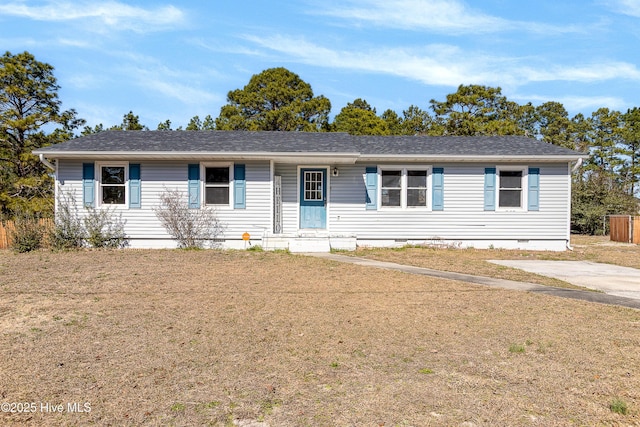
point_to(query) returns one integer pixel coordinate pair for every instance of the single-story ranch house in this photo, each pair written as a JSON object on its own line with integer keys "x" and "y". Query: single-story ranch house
{"x": 316, "y": 191}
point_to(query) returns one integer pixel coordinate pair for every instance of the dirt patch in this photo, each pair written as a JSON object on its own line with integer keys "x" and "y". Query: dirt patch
{"x": 209, "y": 338}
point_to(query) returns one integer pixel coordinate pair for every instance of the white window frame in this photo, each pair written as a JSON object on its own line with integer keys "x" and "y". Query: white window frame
{"x": 98, "y": 180}
{"x": 524, "y": 202}
{"x": 404, "y": 185}
{"x": 321, "y": 190}
{"x": 203, "y": 183}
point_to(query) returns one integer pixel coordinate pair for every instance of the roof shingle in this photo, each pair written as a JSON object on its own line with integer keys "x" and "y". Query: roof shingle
{"x": 305, "y": 142}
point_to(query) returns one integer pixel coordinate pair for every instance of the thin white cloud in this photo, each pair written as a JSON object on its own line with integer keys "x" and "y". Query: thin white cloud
{"x": 593, "y": 72}
{"x": 576, "y": 103}
{"x": 436, "y": 65}
{"x": 99, "y": 15}
{"x": 441, "y": 16}
{"x": 75, "y": 43}
{"x": 153, "y": 76}
{"x": 625, "y": 7}
{"x": 443, "y": 65}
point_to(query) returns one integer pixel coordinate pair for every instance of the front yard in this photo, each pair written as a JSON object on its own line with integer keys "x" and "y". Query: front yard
{"x": 212, "y": 338}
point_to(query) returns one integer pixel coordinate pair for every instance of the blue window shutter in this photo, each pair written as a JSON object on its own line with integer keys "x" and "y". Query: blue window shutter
{"x": 239, "y": 187}
{"x": 438, "y": 189}
{"x": 534, "y": 189}
{"x": 135, "y": 191}
{"x": 371, "y": 182}
{"x": 88, "y": 184}
{"x": 194, "y": 186}
{"x": 490, "y": 189}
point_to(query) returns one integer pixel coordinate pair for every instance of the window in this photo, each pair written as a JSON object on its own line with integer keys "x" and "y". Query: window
{"x": 113, "y": 184}
{"x": 391, "y": 187}
{"x": 416, "y": 188}
{"x": 404, "y": 187}
{"x": 313, "y": 185}
{"x": 511, "y": 184}
{"x": 216, "y": 185}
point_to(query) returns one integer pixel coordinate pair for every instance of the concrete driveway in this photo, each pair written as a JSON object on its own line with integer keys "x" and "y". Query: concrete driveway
{"x": 610, "y": 279}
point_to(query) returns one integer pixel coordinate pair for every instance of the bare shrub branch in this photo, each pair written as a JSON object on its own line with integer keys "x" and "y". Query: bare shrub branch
{"x": 191, "y": 228}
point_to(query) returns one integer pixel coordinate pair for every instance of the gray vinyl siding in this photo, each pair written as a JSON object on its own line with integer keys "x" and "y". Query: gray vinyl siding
{"x": 463, "y": 217}
{"x": 156, "y": 176}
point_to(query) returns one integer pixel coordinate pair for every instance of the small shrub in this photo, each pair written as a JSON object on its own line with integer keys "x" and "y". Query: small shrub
{"x": 426, "y": 371}
{"x": 618, "y": 406}
{"x": 27, "y": 234}
{"x": 178, "y": 407}
{"x": 192, "y": 228}
{"x": 516, "y": 348}
{"x": 255, "y": 248}
{"x": 103, "y": 229}
{"x": 68, "y": 232}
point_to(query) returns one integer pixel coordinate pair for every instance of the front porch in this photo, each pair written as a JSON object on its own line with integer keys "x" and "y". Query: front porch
{"x": 309, "y": 241}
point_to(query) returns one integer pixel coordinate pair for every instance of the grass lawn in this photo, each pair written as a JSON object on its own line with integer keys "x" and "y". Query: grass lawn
{"x": 474, "y": 261}
{"x": 192, "y": 338}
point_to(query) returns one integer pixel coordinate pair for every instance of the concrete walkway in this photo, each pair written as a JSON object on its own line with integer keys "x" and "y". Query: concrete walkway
{"x": 610, "y": 279}
{"x": 487, "y": 281}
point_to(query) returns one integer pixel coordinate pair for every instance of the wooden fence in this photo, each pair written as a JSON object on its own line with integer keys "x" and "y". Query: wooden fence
{"x": 8, "y": 227}
{"x": 625, "y": 228}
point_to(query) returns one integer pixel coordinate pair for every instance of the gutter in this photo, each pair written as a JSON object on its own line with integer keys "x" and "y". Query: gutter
{"x": 337, "y": 157}
{"x": 345, "y": 158}
{"x": 47, "y": 163}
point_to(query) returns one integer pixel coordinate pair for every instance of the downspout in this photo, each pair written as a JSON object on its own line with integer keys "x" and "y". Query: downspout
{"x": 47, "y": 163}
{"x": 575, "y": 168}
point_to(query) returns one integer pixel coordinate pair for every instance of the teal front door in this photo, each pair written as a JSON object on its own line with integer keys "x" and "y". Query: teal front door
{"x": 313, "y": 198}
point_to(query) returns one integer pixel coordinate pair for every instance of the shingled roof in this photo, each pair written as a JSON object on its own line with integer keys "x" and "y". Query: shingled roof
{"x": 180, "y": 143}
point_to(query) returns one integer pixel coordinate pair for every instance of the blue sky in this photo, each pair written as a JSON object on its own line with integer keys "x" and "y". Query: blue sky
{"x": 173, "y": 60}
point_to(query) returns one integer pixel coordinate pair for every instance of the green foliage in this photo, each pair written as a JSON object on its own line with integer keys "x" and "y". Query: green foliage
{"x": 517, "y": 348}
{"x": 618, "y": 406}
{"x": 88, "y": 130}
{"x": 98, "y": 228}
{"x": 630, "y": 132}
{"x": 274, "y": 100}
{"x": 593, "y": 197}
{"x": 196, "y": 124}
{"x": 393, "y": 122}
{"x": 554, "y": 125}
{"x": 67, "y": 232}
{"x": 28, "y": 233}
{"x": 416, "y": 121}
{"x": 477, "y": 110}
{"x": 102, "y": 229}
{"x": 28, "y": 102}
{"x": 178, "y": 407}
{"x": 166, "y": 125}
{"x": 358, "y": 118}
{"x": 131, "y": 121}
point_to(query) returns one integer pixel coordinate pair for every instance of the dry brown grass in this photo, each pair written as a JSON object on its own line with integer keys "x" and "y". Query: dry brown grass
{"x": 203, "y": 338}
{"x": 474, "y": 261}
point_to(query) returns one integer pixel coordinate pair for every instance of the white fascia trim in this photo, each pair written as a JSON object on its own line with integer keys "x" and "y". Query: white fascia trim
{"x": 345, "y": 158}
{"x": 466, "y": 159}
{"x": 303, "y": 157}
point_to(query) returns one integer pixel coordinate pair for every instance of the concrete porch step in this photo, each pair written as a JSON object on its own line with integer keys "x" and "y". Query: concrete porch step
{"x": 309, "y": 241}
